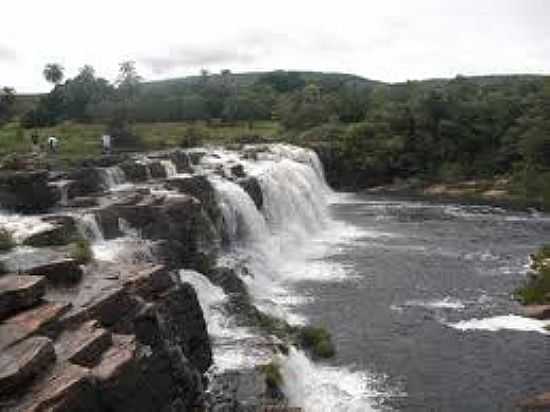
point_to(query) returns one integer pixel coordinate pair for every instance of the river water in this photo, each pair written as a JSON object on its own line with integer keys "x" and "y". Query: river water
{"x": 420, "y": 306}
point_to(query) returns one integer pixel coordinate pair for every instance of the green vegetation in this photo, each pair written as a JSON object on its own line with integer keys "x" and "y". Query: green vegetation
{"x": 443, "y": 130}
{"x": 6, "y": 240}
{"x": 317, "y": 340}
{"x": 273, "y": 377}
{"x": 82, "y": 251}
{"x": 536, "y": 289}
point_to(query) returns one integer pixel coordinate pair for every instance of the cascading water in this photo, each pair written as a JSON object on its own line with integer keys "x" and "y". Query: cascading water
{"x": 280, "y": 245}
{"x": 89, "y": 228}
{"x": 169, "y": 168}
{"x": 112, "y": 177}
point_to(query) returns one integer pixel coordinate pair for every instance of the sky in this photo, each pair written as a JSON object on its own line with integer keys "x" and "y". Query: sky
{"x": 386, "y": 40}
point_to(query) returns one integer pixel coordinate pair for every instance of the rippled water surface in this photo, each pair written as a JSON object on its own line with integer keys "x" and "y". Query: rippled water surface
{"x": 425, "y": 303}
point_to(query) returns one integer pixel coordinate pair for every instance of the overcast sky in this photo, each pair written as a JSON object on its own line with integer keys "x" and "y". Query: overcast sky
{"x": 386, "y": 40}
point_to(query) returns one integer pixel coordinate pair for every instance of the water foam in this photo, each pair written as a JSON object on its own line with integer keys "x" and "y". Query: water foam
{"x": 505, "y": 322}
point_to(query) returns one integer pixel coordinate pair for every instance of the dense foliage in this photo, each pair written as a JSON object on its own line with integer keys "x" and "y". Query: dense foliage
{"x": 478, "y": 127}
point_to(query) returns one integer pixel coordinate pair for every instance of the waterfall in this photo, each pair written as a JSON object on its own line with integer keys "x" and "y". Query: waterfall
{"x": 112, "y": 177}
{"x": 169, "y": 168}
{"x": 89, "y": 228}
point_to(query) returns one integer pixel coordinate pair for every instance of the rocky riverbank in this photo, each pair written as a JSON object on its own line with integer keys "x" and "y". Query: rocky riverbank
{"x": 124, "y": 331}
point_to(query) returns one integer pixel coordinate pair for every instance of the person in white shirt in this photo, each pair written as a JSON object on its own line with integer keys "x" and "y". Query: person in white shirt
{"x": 53, "y": 144}
{"x": 106, "y": 143}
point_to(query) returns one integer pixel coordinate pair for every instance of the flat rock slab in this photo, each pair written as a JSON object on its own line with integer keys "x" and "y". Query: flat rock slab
{"x": 22, "y": 362}
{"x": 20, "y": 292}
{"x": 536, "y": 311}
{"x": 117, "y": 360}
{"x": 106, "y": 305}
{"x": 30, "y": 322}
{"x": 61, "y": 271}
{"x": 67, "y": 388}
{"x": 85, "y": 345}
{"x": 148, "y": 282}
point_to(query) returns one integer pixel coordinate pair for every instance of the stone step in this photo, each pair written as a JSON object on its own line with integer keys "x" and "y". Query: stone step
{"x": 83, "y": 346}
{"x": 21, "y": 363}
{"x": 67, "y": 387}
{"x": 39, "y": 319}
{"x": 59, "y": 272}
{"x": 117, "y": 360}
{"x": 106, "y": 305}
{"x": 20, "y": 292}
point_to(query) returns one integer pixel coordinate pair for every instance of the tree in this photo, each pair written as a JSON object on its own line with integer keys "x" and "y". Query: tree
{"x": 7, "y": 101}
{"x": 53, "y": 73}
{"x": 128, "y": 80}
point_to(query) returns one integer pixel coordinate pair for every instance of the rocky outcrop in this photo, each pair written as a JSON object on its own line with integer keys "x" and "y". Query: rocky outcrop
{"x": 254, "y": 190}
{"x": 27, "y": 191}
{"x": 86, "y": 180}
{"x": 62, "y": 232}
{"x": 20, "y": 292}
{"x": 135, "y": 171}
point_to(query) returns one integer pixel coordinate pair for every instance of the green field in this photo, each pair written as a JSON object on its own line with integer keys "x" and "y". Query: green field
{"x": 78, "y": 141}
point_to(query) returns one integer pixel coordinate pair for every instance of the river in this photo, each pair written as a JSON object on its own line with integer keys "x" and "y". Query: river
{"x": 421, "y": 308}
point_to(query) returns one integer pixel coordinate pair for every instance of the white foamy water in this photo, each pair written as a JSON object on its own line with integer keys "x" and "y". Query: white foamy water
{"x": 22, "y": 226}
{"x": 327, "y": 388}
{"x": 169, "y": 168}
{"x": 505, "y": 322}
{"x": 287, "y": 243}
{"x": 445, "y": 303}
{"x": 113, "y": 177}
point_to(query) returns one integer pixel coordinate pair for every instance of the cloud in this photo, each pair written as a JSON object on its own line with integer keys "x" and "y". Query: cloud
{"x": 194, "y": 56}
{"x": 6, "y": 53}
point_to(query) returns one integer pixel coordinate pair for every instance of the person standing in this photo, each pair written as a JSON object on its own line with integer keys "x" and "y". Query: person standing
{"x": 53, "y": 144}
{"x": 34, "y": 142}
{"x": 106, "y": 143}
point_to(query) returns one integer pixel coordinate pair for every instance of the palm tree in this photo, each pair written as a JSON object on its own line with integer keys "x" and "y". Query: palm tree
{"x": 53, "y": 73}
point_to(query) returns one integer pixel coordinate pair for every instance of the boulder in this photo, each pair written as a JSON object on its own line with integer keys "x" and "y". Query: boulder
{"x": 135, "y": 171}
{"x": 157, "y": 170}
{"x": 61, "y": 271}
{"x": 20, "y": 292}
{"x": 24, "y": 361}
{"x": 181, "y": 160}
{"x": 27, "y": 191}
{"x": 238, "y": 171}
{"x": 83, "y": 202}
{"x": 536, "y": 311}
{"x": 86, "y": 180}
{"x": 196, "y": 155}
{"x": 63, "y": 232}
{"x": 251, "y": 186}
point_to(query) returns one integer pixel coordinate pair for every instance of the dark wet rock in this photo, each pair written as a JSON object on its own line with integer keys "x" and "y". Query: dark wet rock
{"x": 183, "y": 232}
{"x": 62, "y": 271}
{"x": 199, "y": 187}
{"x": 157, "y": 170}
{"x": 254, "y": 190}
{"x": 105, "y": 160}
{"x": 135, "y": 171}
{"x": 196, "y": 156}
{"x": 149, "y": 282}
{"x": 20, "y": 292}
{"x": 19, "y": 364}
{"x": 63, "y": 232}
{"x": 40, "y": 319}
{"x": 86, "y": 180}
{"x": 238, "y": 171}
{"x": 538, "y": 403}
{"x": 27, "y": 191}
{"x": 182, "y": 161}
{"x": 83, "y": 202}
{"x": 84, "y": 345}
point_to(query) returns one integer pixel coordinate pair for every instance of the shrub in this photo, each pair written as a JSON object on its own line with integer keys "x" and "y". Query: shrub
{"x": 6, "y": 240}
{"x": 82, "y": 251}
{"x": 317, "y": 340}
{"x": 536, "y": 289}
{"x": 273, "y": 377}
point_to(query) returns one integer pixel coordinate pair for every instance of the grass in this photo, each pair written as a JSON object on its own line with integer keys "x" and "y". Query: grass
{"x": 536, "y": 289}
{"x": 6, "y": 240}
{"x": 78, "y": 141}
{"x": 317, "y": 340}
{"x": 82, "y": 251}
